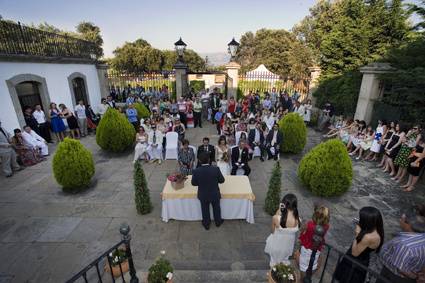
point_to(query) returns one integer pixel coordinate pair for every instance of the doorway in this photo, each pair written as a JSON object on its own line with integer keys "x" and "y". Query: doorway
{"x": 80, "y": 93}
{"x": 29, "y": 94}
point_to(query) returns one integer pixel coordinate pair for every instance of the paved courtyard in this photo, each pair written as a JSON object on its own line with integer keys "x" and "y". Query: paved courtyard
{"x": 47, "y": 235}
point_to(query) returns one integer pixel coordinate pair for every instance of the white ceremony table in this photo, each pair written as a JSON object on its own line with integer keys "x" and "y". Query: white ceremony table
{"x": 237, "y": 200}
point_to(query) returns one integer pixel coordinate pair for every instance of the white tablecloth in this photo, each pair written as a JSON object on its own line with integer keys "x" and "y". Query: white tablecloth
{"x": 190, "y": 209}
{"x": 237, "y": 201}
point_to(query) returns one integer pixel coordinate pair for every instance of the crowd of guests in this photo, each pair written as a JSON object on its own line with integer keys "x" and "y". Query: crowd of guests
{"x": 396, "y": 147}
{"x": 29, "y": 145}
{"x": 246, "y": 128}
{"x": 402, "y": 258}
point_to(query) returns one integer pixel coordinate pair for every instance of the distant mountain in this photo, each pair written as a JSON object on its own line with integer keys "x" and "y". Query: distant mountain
{"x": 216, "y": 58}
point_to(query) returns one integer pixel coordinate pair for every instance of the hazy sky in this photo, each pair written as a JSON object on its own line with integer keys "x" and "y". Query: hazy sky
{"x": 205, "y": 26}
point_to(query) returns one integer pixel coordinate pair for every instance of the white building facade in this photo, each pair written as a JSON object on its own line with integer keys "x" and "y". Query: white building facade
{"x": 26, "y": 83}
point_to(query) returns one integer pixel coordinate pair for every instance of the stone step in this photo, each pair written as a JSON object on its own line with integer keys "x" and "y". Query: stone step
{"x": 214, "y": 276}
{"x": 224, "y": 265}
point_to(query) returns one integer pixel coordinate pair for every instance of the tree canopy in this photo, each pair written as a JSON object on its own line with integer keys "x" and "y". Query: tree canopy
{"x": 347, "y": 34}
{"x": 140, "y": 56}
{"x": 84, "y": 30}
{"x": 278, "y": 50}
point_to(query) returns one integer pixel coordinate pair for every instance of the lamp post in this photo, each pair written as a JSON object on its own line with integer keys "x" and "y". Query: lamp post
{"x": 319, "y": 232}
{"x": 125, "y": 233}
{"x": 180, "y": 48}
{"x": 232, "y": 48}
{"x": 181, "y": 69}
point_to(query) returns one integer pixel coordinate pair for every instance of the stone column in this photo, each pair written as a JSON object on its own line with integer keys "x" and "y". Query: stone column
{"x": 370, "y": 89}
{"x": 102, "y": 74}
{"x": 232, "y": 70}
{"x": 181, "y": 79}
{"x": 314, "y": 82}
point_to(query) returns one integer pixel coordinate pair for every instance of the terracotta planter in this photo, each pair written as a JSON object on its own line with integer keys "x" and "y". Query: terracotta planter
{"x": 116, "y": 269}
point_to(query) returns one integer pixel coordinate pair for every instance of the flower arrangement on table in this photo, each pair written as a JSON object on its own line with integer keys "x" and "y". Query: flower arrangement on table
{"x": 161, "y": 271}
{"x": 282, "y": 273}
{"x": 177, "y": 180}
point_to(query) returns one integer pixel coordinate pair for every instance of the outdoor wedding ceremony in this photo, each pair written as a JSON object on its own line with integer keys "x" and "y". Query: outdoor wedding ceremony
{"x": 274, "y": 141}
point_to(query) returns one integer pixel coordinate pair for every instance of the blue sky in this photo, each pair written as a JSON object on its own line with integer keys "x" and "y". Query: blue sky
{"x": 205, "y": 26}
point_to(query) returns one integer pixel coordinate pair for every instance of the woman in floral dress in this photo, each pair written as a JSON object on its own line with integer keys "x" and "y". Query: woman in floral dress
{"x": 186, "y": 158}
{"x": 402, "y": 159}
{"x": 26, "y": 155}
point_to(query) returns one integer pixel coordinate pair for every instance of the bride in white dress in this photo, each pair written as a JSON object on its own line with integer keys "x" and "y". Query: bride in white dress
{"x": 222, "y": 156}
{"x": 280, "y": 244}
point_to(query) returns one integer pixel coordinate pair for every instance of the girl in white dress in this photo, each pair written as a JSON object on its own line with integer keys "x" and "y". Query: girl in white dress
{"x": 375, "y": 149}
{"x": 307, "y": 113}
{"x": 141, "y": 145}
{"x": 222, "y": 156}
{"x": 285, "y": 225}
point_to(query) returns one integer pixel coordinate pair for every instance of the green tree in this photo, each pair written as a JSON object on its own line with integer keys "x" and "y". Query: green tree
{"x": 142, "y": 197}
{"x": 90, "y": 32}
{"x": 275, "y": 49}
{"x": 73, "y": 165}
{"x": 272, "y": 201}
{"x": 114, "y": 132}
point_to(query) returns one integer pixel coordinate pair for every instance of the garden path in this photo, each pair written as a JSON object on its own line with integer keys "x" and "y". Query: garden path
{"x": 47, "y": 236}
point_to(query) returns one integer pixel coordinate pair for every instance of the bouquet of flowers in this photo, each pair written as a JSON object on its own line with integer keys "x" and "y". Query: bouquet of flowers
{"x": 177, "y": 180}
{"x": 225, "y": 157}
{"x": 282, "y": 273}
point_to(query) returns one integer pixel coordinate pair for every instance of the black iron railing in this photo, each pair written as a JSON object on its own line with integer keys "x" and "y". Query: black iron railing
{"x": 95, "y": 268}
{"x": 334, "y": 257}
{"x": 18, "y": 39}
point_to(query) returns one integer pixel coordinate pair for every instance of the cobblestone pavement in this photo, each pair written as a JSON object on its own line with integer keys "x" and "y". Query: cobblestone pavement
{"x": 47, "y": 235}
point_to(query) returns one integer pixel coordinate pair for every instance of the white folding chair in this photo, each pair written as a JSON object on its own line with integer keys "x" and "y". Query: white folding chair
{"x": 238, "y": 136}
{"x": 194, "y": 151}
{"x": 256, "y": 152}
{"x": 171, "y": 146}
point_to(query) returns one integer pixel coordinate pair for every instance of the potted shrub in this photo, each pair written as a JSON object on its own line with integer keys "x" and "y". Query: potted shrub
{"x": 119, "y": 256}
{"x": 73, "y": 165}
{"x": 161, "y": 271}
{"x": 114, "y": 132}
{"x": 327, "y": 170}
{"x": 282, "y": 273}
{"x": 294, "y": 133}
{"x": 272, "y": 201}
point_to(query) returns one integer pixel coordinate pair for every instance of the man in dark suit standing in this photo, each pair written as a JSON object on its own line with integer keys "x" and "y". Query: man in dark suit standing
{"x": 240, "y": 158}
{"x": 214, "y": 104}
{"x": 256, "y": 138}
{"x": 273, "y": 142}
{"x": 209, "y": 149}
{"x": 207, "y": 178}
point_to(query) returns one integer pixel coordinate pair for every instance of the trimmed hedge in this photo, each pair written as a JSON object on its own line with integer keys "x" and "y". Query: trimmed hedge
{"x": 73, "y": 165}
{"x": 141, "y": 190}
{"x": 197, "y": 85}
{"x": 142, "y": 111}
{"x": 114, "y": 132}
{"x": 273, "y": 194}
{"x": 327, "y": 170}
{"x": 294, "y": 133}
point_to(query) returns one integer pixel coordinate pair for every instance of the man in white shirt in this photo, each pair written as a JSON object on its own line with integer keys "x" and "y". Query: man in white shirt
{"x": 80, "y": 112}
{"x": 269, "y": 120}
{"x": 34, "y": 141}
{"x": 43, "y": 126}
{"x": 155, "y": 138}
{"x": 103, "y": 106}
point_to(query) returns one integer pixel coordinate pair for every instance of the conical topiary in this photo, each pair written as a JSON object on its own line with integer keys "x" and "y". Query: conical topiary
{"x": 141, "y": 191}
{"x": 294, "y": 133}
{"x": 114, "y": 132}
{"x": 327, "y": 170}
{"x": 73, "y": 165}
{"x": 273, "y": 194}
{"x": 142, "y": 111}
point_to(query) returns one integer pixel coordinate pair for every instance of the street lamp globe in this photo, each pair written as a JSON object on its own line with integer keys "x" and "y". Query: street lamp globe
{"x": 233, "y": 48}
{"x": 180, "y": 47}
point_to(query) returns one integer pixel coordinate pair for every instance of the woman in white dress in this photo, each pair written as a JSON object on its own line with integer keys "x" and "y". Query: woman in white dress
{"x": 375, "y": 149}
{"x": 285, "y": 225}
{"x": 223, "y": 104}
{"x": 141, "y": 145}
{"x": 222, "y": 156}
{"x": 307, "y": 112}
